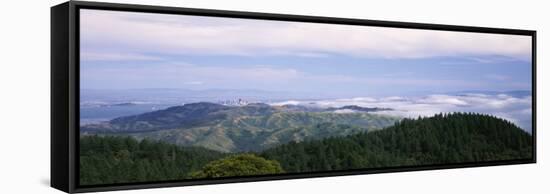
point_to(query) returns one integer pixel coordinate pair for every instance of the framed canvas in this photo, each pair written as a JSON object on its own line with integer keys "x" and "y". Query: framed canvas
{"x": 150, "y": 96}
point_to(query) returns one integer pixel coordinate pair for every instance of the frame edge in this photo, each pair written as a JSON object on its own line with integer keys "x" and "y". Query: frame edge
{"x": 71, "y": 65}
{"x": 59, "y": 128}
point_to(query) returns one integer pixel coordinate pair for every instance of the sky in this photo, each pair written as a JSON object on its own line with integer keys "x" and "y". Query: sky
{"x": 129, "y": 50}
{"x": 413, "y": 72}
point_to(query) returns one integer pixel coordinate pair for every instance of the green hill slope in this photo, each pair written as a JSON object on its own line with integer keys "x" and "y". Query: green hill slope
{"x": 253, "y": 127}
{"x": 256, "y": 133}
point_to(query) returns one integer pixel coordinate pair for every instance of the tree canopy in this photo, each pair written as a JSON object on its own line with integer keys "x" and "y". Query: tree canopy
{"x": 111, "y": 159}
{"x": 441, "y": 139}
{"x": 239, "y": 165}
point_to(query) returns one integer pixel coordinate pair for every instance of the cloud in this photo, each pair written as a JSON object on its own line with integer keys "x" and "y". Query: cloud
{"x": 184, "y": 75}
{"x": 515, "y": 109}
{"x": 177, "y": 34}
{"x": 444, "y": 100}
{"x": 162, "y": 74}
{"x": 113, "y": 56}
{"x": 193, "y": 83}
{"x": 497, "y": 77}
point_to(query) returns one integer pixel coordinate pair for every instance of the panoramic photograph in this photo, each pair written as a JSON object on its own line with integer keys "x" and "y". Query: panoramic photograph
{"x": 181, "y": 98}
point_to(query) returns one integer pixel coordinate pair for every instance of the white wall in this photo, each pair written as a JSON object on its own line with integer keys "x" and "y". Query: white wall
{"x": 24, "y": 95}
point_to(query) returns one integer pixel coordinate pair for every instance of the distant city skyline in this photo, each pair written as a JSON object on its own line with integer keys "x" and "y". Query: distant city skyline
{"x": 130, "y": 50}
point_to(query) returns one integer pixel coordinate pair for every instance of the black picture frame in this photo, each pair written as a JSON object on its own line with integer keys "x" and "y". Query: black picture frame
{"x": 65, "y": 92}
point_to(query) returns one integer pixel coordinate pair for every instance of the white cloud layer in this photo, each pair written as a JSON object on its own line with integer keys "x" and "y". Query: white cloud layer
{"x": 515, "y": 109}
{"x": 123, "y": 32}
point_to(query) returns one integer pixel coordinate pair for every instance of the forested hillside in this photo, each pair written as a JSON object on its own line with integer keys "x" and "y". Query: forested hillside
{"x": 107, "y": 160}
{"x": 442, "y": 139}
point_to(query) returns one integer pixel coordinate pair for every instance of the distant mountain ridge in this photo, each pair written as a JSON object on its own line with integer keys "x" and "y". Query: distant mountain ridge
{"x": 252, "y": 127}
{"x": 178, "y": 116}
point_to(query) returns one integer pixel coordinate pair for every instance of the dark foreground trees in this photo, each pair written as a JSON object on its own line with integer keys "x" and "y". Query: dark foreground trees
{"x": 107, "y": 160}
{"x": 441, "y": 139}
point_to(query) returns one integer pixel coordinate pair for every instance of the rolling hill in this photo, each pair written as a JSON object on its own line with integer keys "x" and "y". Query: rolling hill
{"x": 253, "y": 127}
